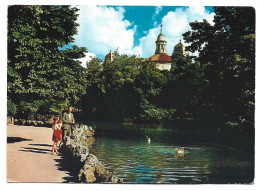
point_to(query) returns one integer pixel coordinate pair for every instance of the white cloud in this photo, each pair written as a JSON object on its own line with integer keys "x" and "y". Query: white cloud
{"x": 174, "y": 25}
{"x": 88, "y": 56}
{"x": 157, "y": 11}
{"x": 147, "y": 43}
{"x": 103, "y": 29}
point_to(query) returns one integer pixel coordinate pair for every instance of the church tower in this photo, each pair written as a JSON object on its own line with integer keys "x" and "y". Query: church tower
{"x": 179, "y": 50}
{"x": 161, "y": 44}
{"x": 161, "y": 59}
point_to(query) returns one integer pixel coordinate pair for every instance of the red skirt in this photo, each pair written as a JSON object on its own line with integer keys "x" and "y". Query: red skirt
{"x": 57, "y": 134}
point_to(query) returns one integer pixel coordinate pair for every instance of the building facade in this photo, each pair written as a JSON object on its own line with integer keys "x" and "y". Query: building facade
{"x": 161, "y": 59}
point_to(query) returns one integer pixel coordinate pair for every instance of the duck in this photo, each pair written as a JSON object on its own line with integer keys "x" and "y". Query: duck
{"x": 179, "y": 150}
{"x": 148, "y": 139}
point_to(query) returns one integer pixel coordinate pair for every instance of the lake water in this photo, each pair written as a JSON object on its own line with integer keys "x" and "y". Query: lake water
{"x": 126, "y": 152}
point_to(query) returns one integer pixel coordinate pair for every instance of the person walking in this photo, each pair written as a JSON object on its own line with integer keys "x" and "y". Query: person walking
{"x": 68, "y": 120}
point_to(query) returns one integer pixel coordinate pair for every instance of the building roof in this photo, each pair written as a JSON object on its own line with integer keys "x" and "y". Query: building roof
{"x": 161, "y": 37}
{"x": 159, "y": 58}
{"x": 110, "y": 55}
{"x": 180, "y": 45}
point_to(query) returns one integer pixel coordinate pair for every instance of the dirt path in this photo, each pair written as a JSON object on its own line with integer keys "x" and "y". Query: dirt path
{"x": 29, "y": 156}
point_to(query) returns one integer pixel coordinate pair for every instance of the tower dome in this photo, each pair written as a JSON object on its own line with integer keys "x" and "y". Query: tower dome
{"x": 161, "y": 37}
{"x": 179, "y": 47}
{"x": 161, "y": 44}
{"x": 179, "y": 50}
{"x": 161, "y": 59}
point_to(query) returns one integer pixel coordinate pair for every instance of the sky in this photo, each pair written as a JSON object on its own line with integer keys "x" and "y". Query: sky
{"x": 133, "y": 29}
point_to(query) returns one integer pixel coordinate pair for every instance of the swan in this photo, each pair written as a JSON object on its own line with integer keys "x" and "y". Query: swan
{"x": 148, "y": 139}
{"x": 181, "y": 150}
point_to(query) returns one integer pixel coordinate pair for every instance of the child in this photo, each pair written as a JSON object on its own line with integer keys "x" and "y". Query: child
{"x": 57, "y": 133}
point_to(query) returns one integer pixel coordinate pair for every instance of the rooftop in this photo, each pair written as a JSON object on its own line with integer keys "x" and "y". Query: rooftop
{"x": 159, "y": 58}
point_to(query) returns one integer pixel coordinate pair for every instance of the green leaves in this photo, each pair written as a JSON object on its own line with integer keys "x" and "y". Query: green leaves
{"x": 37, "y": 68}
{"x": 11, "y": 108}
{"x": 229, "y": 45}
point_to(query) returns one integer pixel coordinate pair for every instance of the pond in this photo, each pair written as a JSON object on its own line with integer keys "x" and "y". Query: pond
{"x": 125, "y": 151}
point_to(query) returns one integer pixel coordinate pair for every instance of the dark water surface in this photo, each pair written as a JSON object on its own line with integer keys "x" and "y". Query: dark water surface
{"x": 125, "y": 151}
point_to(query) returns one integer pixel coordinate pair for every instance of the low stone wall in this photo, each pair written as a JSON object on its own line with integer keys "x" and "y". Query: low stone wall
{"x": 91, "y": 169}
{"x": 32, "y": 122}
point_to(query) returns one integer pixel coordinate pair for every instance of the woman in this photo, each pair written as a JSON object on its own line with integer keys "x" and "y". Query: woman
{"x": 57, "y": 133}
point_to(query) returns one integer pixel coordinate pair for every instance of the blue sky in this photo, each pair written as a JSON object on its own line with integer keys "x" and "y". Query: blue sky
{"x": 140, "y": 14}
{"x": 134, "y": 29}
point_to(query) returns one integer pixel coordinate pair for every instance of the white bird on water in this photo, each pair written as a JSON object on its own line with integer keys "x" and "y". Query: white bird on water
{"x": 148, "y": 139}
{"x": 181, "y": 150}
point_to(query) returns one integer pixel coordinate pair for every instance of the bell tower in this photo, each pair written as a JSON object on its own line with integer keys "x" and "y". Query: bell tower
{"x": 161, "y": 43}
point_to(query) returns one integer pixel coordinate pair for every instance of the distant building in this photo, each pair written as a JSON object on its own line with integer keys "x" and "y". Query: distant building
{"x": 161, "y": 59}
{"x": 110, "y": 56}
{"x": 179, "y": 50}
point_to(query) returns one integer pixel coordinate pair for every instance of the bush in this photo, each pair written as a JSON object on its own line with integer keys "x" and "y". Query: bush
{"x": 11, "y": 108}
{"x": 155, "y": 114}
{"x": 28, "y": 110}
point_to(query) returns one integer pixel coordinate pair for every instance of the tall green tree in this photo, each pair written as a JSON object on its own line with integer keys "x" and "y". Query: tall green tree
{"x": 227, "y": 51}
{"x": 111, "y": 91}
{"x": 149, "y": 86}
{"x": 181, "y": 90}
{"x": 39, "y": 72}
{"x": 91, "y": 102}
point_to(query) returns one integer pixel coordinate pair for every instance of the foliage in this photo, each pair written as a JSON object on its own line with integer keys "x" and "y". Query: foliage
{"x": 183, "y": 84}
{"x": 110, "y": 87}
{"x": 57, "y": 106}
{"x": 125, "y": 88}
{"x": 151, "y": 113}
{"x": 227, "y": 52}
{"x": 37, "y": 68}
{"x": 11, "y": 108}
{"x": 29, "y": 109}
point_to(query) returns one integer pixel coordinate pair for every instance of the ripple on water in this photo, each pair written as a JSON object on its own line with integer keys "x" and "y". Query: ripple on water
{"x": 137, "y": 162}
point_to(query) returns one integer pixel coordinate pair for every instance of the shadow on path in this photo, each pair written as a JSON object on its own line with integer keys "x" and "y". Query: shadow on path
{"x": 16, "y": 139}
{"x": 41, "y": 145}
{"x": 65, "y": 163}
{"x": 36, "y": 150}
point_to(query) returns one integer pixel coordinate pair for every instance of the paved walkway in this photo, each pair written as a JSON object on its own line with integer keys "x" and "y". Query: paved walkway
{"x": 29, "y": 157}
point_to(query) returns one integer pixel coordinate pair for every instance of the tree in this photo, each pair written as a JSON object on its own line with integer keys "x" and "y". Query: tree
{"x": 91, "y": 102}
{"x": 227, "y": 52}
{"x": 181, "y": 91}
{"x": 149, "y": 86}
{"x": 38, "y": 70}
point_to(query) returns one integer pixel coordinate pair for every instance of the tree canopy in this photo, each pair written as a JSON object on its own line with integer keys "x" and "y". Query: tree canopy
{"x": 39, "y": 72}
{"x": 227, "y": 51}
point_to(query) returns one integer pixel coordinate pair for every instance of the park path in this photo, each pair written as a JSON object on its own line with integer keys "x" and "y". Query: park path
{"x": 29, "y": 157}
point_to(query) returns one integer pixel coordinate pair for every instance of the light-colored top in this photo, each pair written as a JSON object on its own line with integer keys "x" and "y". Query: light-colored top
{"x": 57, "y": 127}
{"x": 69, "y": 114}
{"x": 68, "y": 118}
